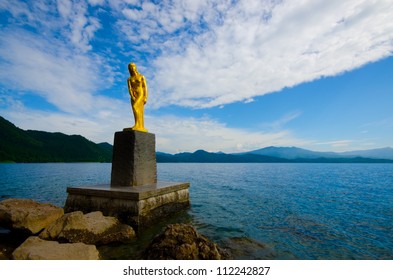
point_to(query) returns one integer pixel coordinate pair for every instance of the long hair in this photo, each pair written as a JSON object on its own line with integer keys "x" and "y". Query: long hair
{"x": 130, "y": 67}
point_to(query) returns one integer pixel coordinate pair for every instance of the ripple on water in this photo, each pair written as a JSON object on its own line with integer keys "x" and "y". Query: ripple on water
{"x": 297, "y": 211}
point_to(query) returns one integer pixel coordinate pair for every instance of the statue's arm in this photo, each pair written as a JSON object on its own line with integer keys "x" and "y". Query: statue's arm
{"x": 144, "y": 89}
{"x": 132, "y": 94}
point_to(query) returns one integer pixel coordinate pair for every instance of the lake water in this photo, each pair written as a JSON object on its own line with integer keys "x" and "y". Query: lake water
{"x": 257, "y": 211}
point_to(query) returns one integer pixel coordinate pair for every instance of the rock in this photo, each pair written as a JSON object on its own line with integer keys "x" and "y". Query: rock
{"x": 182, "y": 242}
{"x": 28, "y": 215}
{"x": 245, "y": 248}
{"x": 91, "y": 228}
{"x": 2, "y": 256}
{"x": 34, "y": 248}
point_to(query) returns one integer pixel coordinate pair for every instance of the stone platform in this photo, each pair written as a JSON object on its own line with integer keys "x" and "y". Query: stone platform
{"x": 137, "y": 206}
{"x": 134, "y": 159}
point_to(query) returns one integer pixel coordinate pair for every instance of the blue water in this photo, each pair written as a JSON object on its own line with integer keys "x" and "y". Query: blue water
{"x": 257, "y": 211}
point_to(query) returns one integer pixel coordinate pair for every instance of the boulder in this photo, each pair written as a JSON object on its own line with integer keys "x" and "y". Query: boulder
{"x": 2, "y": 256}
{"x": 34, "y": 248}
{"x": 183, "y": 242}
{"x": 28, "y": 215}
{"x": 91, "y": 228}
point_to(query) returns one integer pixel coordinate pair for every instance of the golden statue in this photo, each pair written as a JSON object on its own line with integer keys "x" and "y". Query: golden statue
{"x": 138, "y": 92}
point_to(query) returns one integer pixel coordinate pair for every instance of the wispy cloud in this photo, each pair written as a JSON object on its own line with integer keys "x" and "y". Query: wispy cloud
{"x": 337, "y": 143}
{"x": 50, "y": 58}
{"x": 65, "y": 19}
{"x": 387, "y": 123}
{"x": 175, "y": 134}
{"x": 79, "y": 27}
{"x": 239, "y": 50}
{"x": 343, "y": 145}
{"x": 47, "y": 68}
{"x": 281, "y": 122}
{"x": 98, "y": 127}
{"x": 210, "y": 53}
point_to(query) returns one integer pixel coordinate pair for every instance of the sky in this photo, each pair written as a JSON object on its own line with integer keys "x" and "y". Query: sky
{"x": 228, "y": 76}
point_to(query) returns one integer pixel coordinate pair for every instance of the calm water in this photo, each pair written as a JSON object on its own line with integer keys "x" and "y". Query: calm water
{"x": 257, "y": 211}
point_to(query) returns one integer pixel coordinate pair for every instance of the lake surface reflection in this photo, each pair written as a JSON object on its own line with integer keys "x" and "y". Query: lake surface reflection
{"x": 258, "y": 211}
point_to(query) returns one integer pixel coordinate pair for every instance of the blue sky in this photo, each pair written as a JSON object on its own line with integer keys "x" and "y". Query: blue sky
{"x": 226, "y": 76}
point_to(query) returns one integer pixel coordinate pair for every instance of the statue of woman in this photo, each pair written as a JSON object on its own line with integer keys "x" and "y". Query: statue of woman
{"x": 138, "y": 92}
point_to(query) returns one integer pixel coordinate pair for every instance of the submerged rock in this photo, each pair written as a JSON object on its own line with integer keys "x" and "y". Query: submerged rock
{"x": 91, "y": 228}
{"x": 28, "y": 215}
{"x": 183, "y": 242}
{"x": 34, "y": 248}
{"x": 245, "y": 248}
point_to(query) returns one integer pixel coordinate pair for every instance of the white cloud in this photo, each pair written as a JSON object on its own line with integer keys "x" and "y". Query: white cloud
{"x": 49, "y": 69}
{"x": 384, "y": 123}
{"x": 346, "y": 145}
{"x": 96, "y": 2}
{"x": 79, "y": 27}
{"x": 280, "y": 123}
{"x": 69, "y": 18}
{"x": 99, "y": 126}
{"x": 176, "y": 134}
{"x": 337, "y": 143}
{"x": 211, "y": 53}
{"x": 173, "y": 133}
{"x": 36, "y": 13}
{"x": 222, "y": 53}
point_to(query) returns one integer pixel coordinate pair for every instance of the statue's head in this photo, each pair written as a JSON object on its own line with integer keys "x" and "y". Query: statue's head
{"x": 132, "y": 68}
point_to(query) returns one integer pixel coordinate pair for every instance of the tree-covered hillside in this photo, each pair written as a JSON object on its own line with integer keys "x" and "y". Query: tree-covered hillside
{"x": 17, "y": 145}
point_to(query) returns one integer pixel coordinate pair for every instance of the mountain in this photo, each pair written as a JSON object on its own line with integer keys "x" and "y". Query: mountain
{"x": 283, "y": 155}
{"x": 382, "y": 153}
{"x": 292, "y": 153}
{"x": 17, "y": 145}
{"x": 206, "y": 157}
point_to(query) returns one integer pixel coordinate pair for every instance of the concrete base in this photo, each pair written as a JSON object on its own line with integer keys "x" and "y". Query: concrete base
{"x": 137, "y": 206}
{"x": 134, "y": 159}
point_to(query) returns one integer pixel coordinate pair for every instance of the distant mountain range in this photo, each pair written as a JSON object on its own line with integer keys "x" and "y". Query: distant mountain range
{"x": 296, "y": 153}
{"x": 17, "y": 145}
{"x": 283, "y": 154}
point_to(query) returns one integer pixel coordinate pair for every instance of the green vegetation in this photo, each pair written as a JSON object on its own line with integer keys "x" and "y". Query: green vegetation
{"x": 17, "y": 145}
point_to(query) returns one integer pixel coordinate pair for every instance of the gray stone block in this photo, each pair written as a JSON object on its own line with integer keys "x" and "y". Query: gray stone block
{"x": 135, "y": 206}
{"x": 134, "y": 159}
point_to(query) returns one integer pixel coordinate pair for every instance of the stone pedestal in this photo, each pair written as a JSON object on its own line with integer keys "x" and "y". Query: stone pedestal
{"x": 134, "y": 196}
{"x": 136, "y": 206}
{"x": 134, "y": 159}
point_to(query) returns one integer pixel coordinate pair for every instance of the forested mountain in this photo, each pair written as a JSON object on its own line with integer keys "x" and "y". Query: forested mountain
{"x": 17, "y": 145}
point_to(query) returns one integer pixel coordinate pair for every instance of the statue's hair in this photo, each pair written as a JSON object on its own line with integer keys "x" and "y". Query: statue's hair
{"x": 131, "y": 64}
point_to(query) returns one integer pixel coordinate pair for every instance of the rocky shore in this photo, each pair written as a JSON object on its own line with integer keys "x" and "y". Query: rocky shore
{"x": 37, "y": 231}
